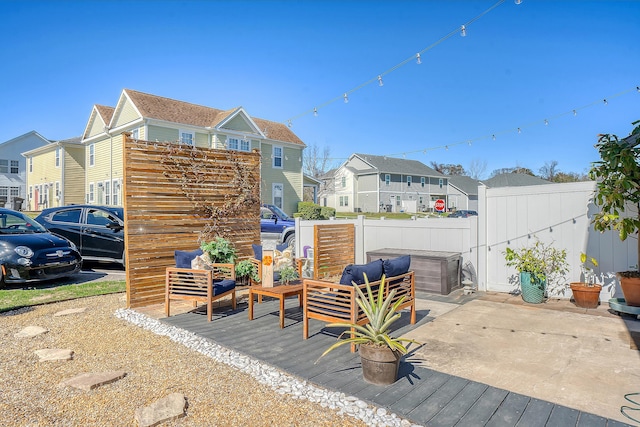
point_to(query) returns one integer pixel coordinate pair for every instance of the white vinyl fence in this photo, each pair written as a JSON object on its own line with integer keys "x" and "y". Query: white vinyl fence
{"x": 558, "y": 214}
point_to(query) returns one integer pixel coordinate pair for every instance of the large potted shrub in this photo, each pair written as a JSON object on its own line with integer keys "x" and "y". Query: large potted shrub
{"x": 380, "y": 353}
{"x": 586, "y": 293}
{"x": 541, "y": 268}
{"x": 618, "y": 197}
{"x": 220, "y": 251}
{"x": 246, "y": 272}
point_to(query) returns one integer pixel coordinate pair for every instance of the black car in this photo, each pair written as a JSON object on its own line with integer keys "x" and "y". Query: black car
{"x": 29, "y": 253}
{"x": 97, "y": 231}
{"x": 462, "y": 214}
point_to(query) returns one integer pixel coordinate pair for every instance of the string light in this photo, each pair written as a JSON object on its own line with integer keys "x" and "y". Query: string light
{"x": 463, "y": 31}
{"x": 575, "y": 113}
{"x": 517, "y": 1}
{"x": 380, "y": 82}
{"x": 493, "y": 137}
{"x": 638, "y": 88}
{"x": 418, "y": 60}
{"x": 519, "y": 131}
{"x": 346, "y": 98}
{"x": 469, "y": 143}
{"x": 289, "y": 123}
{"x": 546, "y": 122}
{"x": 605, "y": 102}
{"x": 315, "y": 112}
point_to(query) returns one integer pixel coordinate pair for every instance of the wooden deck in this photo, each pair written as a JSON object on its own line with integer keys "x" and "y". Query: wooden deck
{"x": 422, "y": 395}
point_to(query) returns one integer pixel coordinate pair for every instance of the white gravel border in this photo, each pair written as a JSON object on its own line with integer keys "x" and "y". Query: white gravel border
{"x": 279, "y": 381}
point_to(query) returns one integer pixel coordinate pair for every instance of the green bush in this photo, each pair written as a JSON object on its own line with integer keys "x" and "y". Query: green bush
{"x": 309, "y": 210}
{"x": 327, "y": 212}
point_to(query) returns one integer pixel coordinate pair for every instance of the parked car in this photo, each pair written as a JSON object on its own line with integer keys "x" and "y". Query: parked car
{"x": 275, "y": 224}
{"x": 462, "y": 214}
{"x": 97, "y": 231}
{"x": 29, "y": 253}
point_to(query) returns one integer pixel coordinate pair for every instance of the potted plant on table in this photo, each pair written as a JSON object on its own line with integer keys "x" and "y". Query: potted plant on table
{"x": 541, "y": 267}
{"x": 288, "y": 274}
{"x": 586, "y": 294}
{"x": 618, "y": 191}
{"x": 246, "y": 271}
{"x": 379, "y": 352}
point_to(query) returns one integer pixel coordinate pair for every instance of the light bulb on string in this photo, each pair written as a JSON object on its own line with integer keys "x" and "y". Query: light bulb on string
{"x": 418, "y": 59}
{"x": 469, "y": 142}
{"x": 638, "y": 88}
{"x": 463, "y": 31}
{"x": 346, "y": 98}
{"x": 493, "y": 137}
{"x": 575, "y": 113}
{"x": 289, "y": 123}
{"x": 605, "y": 102}
{"x": 517, "y": 1}
{"x": 315, "y": 111}
{"x": 446, "y": 147}
{"x": 519, "y": 130}
{"x": 380, "y": 82}
{"x": 546, "y": 122}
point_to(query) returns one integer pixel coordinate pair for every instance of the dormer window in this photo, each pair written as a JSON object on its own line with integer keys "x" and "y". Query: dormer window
{"x": 187, "y": 137}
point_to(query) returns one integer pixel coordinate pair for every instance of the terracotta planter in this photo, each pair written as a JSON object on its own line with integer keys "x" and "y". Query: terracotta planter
{"x": 379, "y": 364}
{"x": 631, "y": 290}
{"x": 586, "y": 296}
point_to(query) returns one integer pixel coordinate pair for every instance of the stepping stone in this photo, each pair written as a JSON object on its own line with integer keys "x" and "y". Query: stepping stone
{"x": 90, "y": 380}
{"x": 70, "y": 311}
{"x": 50, "y": 354}
{"x": 30, "y": 332}
{"x": 170, "y": 408}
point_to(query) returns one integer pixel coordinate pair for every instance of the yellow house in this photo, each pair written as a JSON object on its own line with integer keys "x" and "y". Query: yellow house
{"x": 55, "y": 174}
{"x": 154, "y": 118}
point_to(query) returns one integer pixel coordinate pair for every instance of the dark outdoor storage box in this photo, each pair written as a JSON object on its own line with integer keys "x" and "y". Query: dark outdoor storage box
{"x": 435, "y": 271}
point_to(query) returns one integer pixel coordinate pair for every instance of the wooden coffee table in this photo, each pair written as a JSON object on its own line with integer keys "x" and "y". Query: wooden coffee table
{"x": 281, "y": 292}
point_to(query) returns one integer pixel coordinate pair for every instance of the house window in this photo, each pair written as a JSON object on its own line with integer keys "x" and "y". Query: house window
{"x": 341, "y": 200}
{"x": 398, "y": 200}
{"x": 245, "y": 145}
{"x": 4, "y": 166}
{"x": 30, "y": 192}
{"x": 30, "y": 164}
{"x": 116, "y": 189}
{"x": 107, "y": 192}
{"x": 440, "y": 182}
{"x": 92, "y": 155}
{"x": 344, "y": 200}
{"x": 344, "y": 181}
{"x": 57, "y": 190}
{"x": 187, "y": 137}
{"x": 91, "y": 195}
{"x": 387, "y": 179}
{"x": 15, "y": 166}
{"x": 277, "y": 191}
{"x": 58, "y": 157}
{"x": 135, "y": 133}
{"x": 232, "y": 144}
{"x": 277, "y": 157}
{"x": 408, "y": 181}
{"x": 422, "y": 180}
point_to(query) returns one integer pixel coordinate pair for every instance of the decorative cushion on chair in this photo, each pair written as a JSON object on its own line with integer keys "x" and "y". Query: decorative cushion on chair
{"x": 396, "y": 266}
{"x": 355, "y": 273}
{"x": 184, "y": 258}
{"x": 257, "y": 250}
{"x": 221, "y": 286}
{"x": 282, "y": 259}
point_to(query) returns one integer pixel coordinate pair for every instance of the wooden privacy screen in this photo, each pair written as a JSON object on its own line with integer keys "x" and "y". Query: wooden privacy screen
{"x": 334, "y": 249}
{"x": 172, "y": 194}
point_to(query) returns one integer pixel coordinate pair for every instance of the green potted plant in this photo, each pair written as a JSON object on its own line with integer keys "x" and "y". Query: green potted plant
{"x": 538, "y": 265}
{"x": 380, "y": 353}
{"x": 618, "y": 191}
{"x": 246, "y": 271}
{"x": 586, "y": 294}
{"x": 288, "y": 274}
{"x": 220, "y": 251}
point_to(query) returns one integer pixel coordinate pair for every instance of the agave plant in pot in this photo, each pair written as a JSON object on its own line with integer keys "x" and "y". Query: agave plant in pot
{"x": 586, "y": 294}
{"x": 380, "y": 353}
{"x": 541, "y": 268}
{"x": 618, "y": 197}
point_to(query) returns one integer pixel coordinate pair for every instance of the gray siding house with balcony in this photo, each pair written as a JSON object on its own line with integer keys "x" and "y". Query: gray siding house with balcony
{"x": 368, "y": 183}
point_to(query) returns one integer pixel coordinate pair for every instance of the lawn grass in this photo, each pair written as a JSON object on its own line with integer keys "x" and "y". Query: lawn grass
{"x": 12, "y": 298}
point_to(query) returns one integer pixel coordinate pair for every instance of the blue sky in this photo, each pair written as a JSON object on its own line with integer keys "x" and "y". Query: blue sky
{"x": 517, "y": 66}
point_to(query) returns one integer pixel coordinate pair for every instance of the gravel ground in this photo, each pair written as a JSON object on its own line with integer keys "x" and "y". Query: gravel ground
{"x": 217, "y": 394}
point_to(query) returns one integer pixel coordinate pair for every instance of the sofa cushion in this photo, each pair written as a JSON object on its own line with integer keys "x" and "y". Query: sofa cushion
{"x": 355, "y": 273}
{"x": 183, "y": 258}
{"x": 221, "y": 286}
{"x": 396, "y": 266}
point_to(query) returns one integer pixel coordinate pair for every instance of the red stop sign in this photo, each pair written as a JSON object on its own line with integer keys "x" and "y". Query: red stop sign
{"x": 439, "y": 205}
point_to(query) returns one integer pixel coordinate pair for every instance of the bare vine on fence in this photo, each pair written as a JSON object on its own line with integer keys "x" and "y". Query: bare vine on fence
{"x": 231, "y": 176}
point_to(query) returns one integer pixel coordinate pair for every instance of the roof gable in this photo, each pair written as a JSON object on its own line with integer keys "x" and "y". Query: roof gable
{"x": 98, "y": 120}
{"x": 514, "y": 180}
{"x": 238, "y": 120}
{"x": 33, "y": 137}
{"x": 393, "y": 165}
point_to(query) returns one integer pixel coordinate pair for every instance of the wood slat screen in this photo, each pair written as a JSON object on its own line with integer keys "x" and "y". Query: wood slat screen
{"x": 164, "y": 191}
{"x": 334, "y": 249}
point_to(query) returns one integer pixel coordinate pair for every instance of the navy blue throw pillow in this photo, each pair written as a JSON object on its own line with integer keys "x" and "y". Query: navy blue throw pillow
{"x": 396, "y": 266}
{"x": 257, "y": 252}
{"x": 355, "y": 272}
{"x": 281, "y": 247}
{"x": 184, "y": 258}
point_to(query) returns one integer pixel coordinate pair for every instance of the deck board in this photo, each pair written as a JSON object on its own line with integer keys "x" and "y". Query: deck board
{"x": 421, "y": 395}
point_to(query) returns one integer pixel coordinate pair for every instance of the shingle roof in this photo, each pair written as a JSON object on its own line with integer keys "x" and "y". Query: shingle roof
{"x": 75, "y": 140}
{"x": 106, "y": 112}
{"x": 514, "y": 180}
{"x": 464, "y": 183}
{"x": 174, "y": 111}
{"x": 399, "y": 166}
